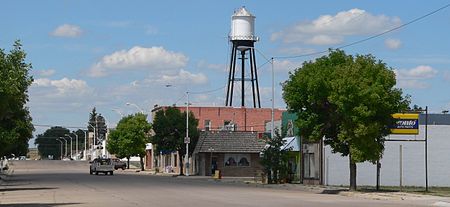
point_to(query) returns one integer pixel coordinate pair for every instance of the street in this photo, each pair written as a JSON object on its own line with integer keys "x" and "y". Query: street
{"x": 68, "y": 183}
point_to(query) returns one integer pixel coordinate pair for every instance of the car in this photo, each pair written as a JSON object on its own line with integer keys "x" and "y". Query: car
{"x": 101, "y": 165}
{"x": 119, "y": 164}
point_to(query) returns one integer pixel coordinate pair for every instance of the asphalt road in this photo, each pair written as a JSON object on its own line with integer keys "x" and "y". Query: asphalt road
{"x": 68, "y": 183}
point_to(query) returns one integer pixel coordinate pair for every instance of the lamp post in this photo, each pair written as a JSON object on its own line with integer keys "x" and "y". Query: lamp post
{"x": 187, "y": 140}
{"x": 71, "y": 146}
{"x": 85, "y": 144}
{"x": 135, "y": 105}
{"x": 118, "y": 111}
{"x": 76, "y": 145}
{"x": 273, "y": 101}
{"x": 60, "y": 149}
{"x": 65, "y": 152}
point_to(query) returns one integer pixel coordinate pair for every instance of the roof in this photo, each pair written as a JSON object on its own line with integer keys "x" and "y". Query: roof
{"x": 291, "y": 143}
{"x": 229, "y": 142}
{"x": 435, "y": 119}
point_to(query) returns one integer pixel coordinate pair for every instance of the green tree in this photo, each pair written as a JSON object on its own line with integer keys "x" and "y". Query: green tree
{"x": 275, "y": 159}
{"x": 15, "y": 120}
{"x": 348, "y": 101}
{"x": 169, "y": 126}
{"x": 129, "y": 138}
{"x": 49, "y": 145}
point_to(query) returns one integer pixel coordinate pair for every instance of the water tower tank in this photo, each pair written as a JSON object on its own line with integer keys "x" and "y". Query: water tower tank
{"x": 243, "y": 25}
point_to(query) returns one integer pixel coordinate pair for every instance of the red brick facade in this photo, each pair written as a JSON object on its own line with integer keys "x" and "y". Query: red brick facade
{"x": 244, "y": 119}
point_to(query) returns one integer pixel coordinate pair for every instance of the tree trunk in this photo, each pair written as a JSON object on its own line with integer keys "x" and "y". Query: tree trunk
{"x": 142, "y": 163}
{"x": 352, "y": 173}
{"x": 128, "y": 162}
{"x": 181, "y": 164}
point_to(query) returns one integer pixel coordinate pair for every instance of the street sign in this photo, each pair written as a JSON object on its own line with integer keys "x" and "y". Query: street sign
{"x": 405, "y": 124}
{"x": 187, "y": 140}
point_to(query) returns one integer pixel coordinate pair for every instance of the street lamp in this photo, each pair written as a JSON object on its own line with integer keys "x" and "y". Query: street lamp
{"x": 118, "y": 111}
{"x": 135, "y": 105}
{"x": 85, "y": 144}
{"x": 71, "y": 146}
{"x": 76, "y": 145}
{"x": 60, "y": 151}
{"x": 65, "y": 152}
{"x": 187, "y": 139}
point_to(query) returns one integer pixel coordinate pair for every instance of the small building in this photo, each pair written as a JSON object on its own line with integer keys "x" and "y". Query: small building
{"x": 234, "y": 153}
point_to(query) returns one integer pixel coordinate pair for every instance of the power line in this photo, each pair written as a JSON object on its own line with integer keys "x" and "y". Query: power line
{"x": 368, "y": 38}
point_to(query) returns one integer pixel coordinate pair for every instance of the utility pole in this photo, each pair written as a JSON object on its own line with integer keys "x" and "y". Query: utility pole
{"x": 187, "y": 140}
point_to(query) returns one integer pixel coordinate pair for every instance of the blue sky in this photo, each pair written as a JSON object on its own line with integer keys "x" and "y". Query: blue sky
{"x": 104, "y": 54}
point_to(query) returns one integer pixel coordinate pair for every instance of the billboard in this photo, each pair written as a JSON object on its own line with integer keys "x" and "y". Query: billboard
{"x": 405, "y": 124}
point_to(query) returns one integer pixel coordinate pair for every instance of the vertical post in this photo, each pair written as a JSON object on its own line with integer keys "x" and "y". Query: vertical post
{"x": 76, "y": 146}
{"x": 378, "y": 175}
{"x": 187, "y": 135}
{"x": 273, "y": 100}
{"x": 85, "y": 145}
{"x": 426, "y": 149}
{"x": 242, "y": 78}
{"x": 401, "y": 167}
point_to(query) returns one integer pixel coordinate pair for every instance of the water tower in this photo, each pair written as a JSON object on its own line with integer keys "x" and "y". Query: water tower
{"x": 243, "y": 38}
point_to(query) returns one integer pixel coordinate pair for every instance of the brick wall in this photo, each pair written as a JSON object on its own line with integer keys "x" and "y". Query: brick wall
{"x": 246, "y": 119}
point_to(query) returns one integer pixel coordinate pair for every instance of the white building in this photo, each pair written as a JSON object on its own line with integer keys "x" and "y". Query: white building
{"x": 337, "y": 169}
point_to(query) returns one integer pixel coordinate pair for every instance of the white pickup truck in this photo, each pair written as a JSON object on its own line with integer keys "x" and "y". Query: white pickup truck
{"x": 102, "y": 165}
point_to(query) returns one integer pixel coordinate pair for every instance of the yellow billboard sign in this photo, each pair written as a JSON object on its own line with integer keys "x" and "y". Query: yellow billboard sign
{"x": 405, "y": 123}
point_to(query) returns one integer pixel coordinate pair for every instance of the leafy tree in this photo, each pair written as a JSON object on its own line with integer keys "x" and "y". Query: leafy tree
{"x": 15, "y": 120}
{"x": 169, "y": 126}
{"x": 349, "y": 101}
{"x": 48, "y": 144}
{"x": 275, "y": 159}
{"x": 129, "y": 137}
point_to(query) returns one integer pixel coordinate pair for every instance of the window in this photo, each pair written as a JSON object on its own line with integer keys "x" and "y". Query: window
{"x": 207, "y": 125}
{"x": 230, "y": 162}
{"x": 229, "y": 125}
{"x": 241, "y": 160}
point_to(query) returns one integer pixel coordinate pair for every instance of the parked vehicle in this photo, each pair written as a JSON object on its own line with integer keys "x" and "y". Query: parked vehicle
{"x": 102, "y": 165}
{"x": 119, "y": 164}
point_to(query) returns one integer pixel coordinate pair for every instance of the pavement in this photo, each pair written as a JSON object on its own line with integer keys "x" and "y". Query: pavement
{"x": 250, "y": 182}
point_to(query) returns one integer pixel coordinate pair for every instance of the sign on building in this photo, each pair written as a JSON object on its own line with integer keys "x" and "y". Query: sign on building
{"x": 405, "y": 124}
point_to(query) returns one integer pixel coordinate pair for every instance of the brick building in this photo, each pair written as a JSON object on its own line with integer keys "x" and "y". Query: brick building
{"x": 230, "y": 118}
{"x": 216, "y": 119}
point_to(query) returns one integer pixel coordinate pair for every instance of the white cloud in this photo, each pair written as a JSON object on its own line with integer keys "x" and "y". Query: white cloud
{"x": 46, "y": 73}
{"x": 392, "y": 43}
{"x": 412, "y": 84}
{"x": 211, "y": 66}
{"x": 296, "y": 50}
{"x": 285, "y": 66}
{"x": 153, "y": 58}
{"x": 328, "y": 29}
{"x": 183, "y": 77}
{"x": 419, "y": 72}
{"x": 415, "y": 78}
{"x": 67, "y": 30}
{"x": 63, "y": 87}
